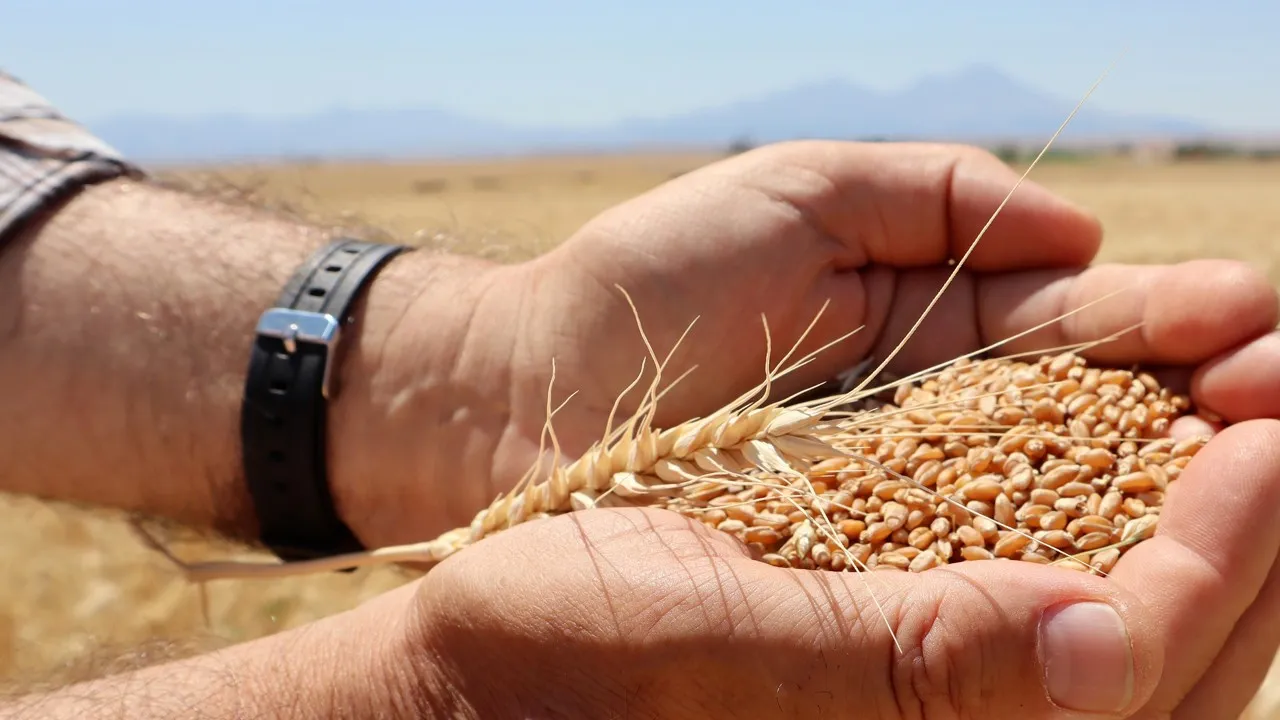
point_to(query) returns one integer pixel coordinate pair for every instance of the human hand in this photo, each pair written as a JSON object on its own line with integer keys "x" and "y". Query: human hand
{"x": 779, "y": 231}
{"x": 643, "y": 613}
{"x": 871, "y": 228}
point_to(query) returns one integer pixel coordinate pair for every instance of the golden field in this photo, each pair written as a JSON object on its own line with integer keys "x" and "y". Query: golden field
{"x": 80, "y": 589}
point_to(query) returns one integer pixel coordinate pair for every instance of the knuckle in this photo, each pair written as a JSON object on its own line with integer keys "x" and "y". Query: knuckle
{"x": 948, "y": 664}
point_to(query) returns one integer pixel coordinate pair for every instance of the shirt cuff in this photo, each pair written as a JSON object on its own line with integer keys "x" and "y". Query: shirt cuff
{"x": 44, "y": 156}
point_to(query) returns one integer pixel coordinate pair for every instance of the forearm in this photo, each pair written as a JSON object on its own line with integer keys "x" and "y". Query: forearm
{"x": 126, "y": 319}
{"x": 361, "y": 663}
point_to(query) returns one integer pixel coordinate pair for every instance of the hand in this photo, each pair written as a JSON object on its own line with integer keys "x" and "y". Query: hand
{"x": 869, "y": 227}
{"x": 636, "y": 613}
{"x": 640, "y": 608}
{"x": 777, "y": 231}
{"x": 641, "y": 613}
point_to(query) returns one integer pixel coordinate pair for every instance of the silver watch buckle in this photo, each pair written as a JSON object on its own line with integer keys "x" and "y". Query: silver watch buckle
{"x": 294, "y": 326}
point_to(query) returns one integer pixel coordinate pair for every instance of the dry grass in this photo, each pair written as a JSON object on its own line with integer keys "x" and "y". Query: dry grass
{"x": 79, "y": 581}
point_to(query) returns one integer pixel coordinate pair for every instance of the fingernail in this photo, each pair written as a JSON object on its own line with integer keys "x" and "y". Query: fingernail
{"x": 1087, "y": 658}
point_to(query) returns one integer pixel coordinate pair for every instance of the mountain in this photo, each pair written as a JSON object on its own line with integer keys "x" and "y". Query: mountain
{"x": 978, "y": 103}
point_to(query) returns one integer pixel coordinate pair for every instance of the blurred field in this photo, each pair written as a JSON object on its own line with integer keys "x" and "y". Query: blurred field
{"x": 79, "y": 587}
{"x": 1152, "y": 212}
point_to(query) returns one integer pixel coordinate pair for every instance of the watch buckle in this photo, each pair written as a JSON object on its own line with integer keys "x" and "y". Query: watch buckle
{"x": 294, "y": 326}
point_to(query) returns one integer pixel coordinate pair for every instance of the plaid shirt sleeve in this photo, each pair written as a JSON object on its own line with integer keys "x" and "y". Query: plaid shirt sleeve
{"x": 44, "y": 156}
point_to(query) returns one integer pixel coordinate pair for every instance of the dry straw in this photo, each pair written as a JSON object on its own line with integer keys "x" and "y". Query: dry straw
{"x": 1040, "y": 458}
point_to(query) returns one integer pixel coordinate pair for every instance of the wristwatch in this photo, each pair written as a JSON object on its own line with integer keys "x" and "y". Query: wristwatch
{"x": 286, "y": 395}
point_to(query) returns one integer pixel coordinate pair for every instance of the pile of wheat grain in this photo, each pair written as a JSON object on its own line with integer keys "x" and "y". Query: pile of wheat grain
{"x": 1038, "y": 461}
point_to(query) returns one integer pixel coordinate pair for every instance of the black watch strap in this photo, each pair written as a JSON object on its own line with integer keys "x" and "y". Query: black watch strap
{"x": 283, "y": 417}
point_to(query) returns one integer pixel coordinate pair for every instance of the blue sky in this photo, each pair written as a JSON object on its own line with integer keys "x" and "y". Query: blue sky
{"x": 585, "y": 62}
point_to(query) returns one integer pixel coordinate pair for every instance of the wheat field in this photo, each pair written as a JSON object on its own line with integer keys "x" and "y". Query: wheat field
{"x": 82, "y": 592}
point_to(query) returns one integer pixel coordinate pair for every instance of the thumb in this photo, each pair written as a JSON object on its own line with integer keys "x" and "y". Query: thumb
{"x": 633, "y": 611}
{"x": 992, "y": 639}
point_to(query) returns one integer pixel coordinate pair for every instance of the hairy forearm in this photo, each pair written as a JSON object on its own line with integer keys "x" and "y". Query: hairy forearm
{"x": 360, "y": 663}
{"x": 125, "y": 326}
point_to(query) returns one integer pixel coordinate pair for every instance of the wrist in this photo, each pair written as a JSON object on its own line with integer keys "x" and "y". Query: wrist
{"x": 422, "y": 397}
{"x": 368, "y": 658}
{"x": 362, "y": 658}
{"x": 361, "y": 662}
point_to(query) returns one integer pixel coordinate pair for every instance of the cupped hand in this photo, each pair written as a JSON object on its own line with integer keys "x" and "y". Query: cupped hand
{"x": 871, "y": 229}
{"x": 642, "y": 613}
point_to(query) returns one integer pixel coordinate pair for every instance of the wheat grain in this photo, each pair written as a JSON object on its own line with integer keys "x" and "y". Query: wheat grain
{"x": 874, "y": 497}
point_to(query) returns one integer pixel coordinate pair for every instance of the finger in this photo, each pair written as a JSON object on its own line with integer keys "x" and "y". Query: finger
{"x": 650, "y": 599}
{"x": 1189, "y": 312}
{"x": 1216, "y": 543}
{"x": 1241, "y": 384}
{"x": 981, "y": 639}
{"x": 918, "y": 204}
{"x": 1239, "y": 670}
{"x": 945, "y": 333}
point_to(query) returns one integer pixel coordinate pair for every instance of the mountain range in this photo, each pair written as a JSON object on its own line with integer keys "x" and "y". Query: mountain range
{"x": 976, "y": 104}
